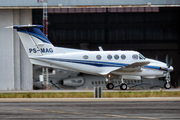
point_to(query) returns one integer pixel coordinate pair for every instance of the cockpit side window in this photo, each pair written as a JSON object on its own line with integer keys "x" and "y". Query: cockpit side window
{"x": 141, "y": 57}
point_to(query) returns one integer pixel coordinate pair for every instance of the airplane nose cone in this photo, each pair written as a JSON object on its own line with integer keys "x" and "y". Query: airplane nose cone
{"x": 170, "y": 69}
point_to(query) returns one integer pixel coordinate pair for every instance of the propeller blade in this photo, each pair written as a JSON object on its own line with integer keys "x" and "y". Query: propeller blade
{"x": 171, "y": 61}
{"x": 167, "y": 59}
{"x": 156, "y": 58}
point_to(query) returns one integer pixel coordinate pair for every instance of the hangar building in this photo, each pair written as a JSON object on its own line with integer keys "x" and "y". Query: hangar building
{"x": 148, "y": 26}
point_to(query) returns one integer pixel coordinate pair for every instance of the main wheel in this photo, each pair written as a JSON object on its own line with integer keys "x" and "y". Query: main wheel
{"x": 167, "y": 85}
{"x": 110, "y": 86}
{"x": 123, "y": 86}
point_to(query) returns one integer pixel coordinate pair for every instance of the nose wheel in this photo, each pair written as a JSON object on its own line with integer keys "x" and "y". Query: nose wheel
{"x": 167, "y": 85}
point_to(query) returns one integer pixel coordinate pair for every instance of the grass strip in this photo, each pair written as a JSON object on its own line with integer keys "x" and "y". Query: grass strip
{"x": 89, "y": 94}
{"x": 141, "y": 94}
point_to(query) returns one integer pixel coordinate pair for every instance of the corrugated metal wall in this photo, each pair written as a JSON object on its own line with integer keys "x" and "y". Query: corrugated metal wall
{"x": 111, "y": 27}
{"x": 16, "y": 70}
{"x": 26, "y": 67}
{"x": 7, "y": 51}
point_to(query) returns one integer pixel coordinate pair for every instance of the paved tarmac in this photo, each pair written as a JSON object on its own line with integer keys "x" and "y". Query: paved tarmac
{"x": 88, "y": 99}
{"x": 91, "y": 109}
{"x": 152, "y": 108}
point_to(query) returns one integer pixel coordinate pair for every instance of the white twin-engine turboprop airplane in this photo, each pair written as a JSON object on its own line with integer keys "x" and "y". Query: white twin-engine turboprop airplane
{"x": 130, "y": 65}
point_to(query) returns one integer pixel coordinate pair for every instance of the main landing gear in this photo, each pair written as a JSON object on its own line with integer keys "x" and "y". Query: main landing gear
{"x": 123, "y": 86}
{"x": 110, "y": 86}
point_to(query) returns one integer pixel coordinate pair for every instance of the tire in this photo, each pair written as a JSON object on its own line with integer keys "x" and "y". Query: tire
{"x": 123, "y": 86}
{"x": 110, "y": 86}
{"x": 167, "y": 85}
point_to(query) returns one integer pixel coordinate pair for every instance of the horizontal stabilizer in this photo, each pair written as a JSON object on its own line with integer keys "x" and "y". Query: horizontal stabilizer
{"x": 24, "y": 26}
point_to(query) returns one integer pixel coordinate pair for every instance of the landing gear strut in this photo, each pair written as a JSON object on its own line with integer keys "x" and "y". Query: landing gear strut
{"x": 167, "y": 85}
{"x": 123, "y": 86}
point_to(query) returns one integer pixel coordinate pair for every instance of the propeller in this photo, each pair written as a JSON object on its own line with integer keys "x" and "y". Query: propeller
{"x": 156, "y": 58}
{"x": 169, "y": 63}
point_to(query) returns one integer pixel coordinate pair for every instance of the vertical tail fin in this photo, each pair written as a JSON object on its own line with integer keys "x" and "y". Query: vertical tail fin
{"x": 34, "y": 41}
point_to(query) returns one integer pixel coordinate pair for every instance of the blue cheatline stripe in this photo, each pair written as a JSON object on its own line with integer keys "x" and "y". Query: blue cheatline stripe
{"x": 34, "y": 31}
{"x": 43, "y": 39}
{"x": 93, "y": 63}
{"x": 154, "y": 67}
{"x": 97, "y": 63}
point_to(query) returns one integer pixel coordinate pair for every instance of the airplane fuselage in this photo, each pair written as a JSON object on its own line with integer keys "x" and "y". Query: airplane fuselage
{"x": 101, "y": 62}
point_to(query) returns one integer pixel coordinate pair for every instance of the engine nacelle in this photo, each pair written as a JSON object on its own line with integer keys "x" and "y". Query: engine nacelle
{"x": 73, "y": 82}
{"x": 149, "y": 77}
{"x": 129, "y": 77}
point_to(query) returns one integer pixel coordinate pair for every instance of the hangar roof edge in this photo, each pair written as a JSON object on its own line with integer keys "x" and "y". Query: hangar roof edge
{"x": 34, "y": 4}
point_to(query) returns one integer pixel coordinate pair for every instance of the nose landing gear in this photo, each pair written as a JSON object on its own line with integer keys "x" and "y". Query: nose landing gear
{"x": 167, "y": 85}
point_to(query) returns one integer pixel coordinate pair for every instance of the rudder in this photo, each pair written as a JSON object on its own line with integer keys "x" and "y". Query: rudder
{"x": 34, "y": 41}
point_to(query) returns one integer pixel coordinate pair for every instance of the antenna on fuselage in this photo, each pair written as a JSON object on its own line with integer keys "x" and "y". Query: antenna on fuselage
{"x": 100, "y": 48}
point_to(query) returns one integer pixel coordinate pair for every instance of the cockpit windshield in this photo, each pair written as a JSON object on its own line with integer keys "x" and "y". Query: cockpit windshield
{"x": 141, "y": 57}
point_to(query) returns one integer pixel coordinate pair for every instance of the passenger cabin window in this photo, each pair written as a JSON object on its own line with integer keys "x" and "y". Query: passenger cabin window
{"x": 98, "y": 57}
{"x": 135, "y": 57}
{"x": 85, "y": 57}
{"x": 109, "y": 57}
{"x": 116, "y": 57}
{"x": 123, "y": 57}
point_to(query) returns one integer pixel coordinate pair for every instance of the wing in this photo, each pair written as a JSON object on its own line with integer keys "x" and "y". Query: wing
{"x": 132, "y": 67}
